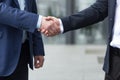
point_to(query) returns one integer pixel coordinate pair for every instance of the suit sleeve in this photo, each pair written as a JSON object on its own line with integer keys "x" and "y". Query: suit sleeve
{"x": 93, "y": 14}
{"x": 18, "y": 19}
{"x": 38, "y": 47}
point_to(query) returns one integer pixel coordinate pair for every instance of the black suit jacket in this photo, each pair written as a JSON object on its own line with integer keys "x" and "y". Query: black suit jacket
{"x": 95, "y": 13}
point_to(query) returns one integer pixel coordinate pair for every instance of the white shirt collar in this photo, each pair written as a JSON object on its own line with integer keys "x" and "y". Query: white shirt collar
{"x": 22, "y": 4}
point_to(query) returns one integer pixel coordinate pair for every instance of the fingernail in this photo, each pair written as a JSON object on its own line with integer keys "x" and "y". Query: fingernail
{"x": 43, "y": 30}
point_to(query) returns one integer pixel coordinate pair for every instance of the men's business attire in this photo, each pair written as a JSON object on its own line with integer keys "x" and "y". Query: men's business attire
{"x": 16, "y": 53}
{"x": 95, "y": 13}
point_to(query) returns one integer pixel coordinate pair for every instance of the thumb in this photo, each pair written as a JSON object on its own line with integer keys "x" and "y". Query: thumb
{"x": 49, "y": 18}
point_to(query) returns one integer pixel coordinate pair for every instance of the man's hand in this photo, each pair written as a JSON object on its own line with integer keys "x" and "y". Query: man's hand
{"x": 50, "y": 26}
{"x": 38, "y": 61}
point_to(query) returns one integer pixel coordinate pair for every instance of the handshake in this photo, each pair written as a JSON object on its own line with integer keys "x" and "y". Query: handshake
{"x": 50, "y": 26}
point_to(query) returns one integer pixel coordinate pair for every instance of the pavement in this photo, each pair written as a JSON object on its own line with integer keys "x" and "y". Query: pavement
{"x": 71, "y": 62}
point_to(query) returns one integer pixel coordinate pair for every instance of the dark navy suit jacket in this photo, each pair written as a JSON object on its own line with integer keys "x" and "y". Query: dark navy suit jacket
{"x": 12, "y": 23}
{"x": 95, "y": 13}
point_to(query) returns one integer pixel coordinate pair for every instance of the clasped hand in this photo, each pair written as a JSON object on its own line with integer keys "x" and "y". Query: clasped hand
{"x": 50, "y": 26}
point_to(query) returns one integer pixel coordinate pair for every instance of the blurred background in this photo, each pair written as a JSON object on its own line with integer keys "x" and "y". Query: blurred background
{"x": 75, "y": 55}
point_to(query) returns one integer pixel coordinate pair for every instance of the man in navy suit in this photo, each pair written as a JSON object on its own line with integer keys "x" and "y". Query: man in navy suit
{"x": 93, "y": 14}
{"x": 20, "y": 40}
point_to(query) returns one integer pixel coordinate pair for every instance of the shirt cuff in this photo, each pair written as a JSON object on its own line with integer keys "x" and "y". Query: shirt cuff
{"x": 39, "y": 22}
{"x": 61, "y": 26}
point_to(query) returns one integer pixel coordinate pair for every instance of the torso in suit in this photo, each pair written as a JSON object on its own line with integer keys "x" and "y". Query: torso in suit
{"x": 95, "y": 13}
{"x": 12, "y": 23}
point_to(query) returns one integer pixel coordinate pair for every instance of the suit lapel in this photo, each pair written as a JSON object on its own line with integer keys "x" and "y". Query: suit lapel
{"x": 31, "y": 6}
{"x": 111, "y": 16}
{"x": 112, "y": 4}
{"x": 27, "y": 4}
{"x": 112, "y": 7}
{"x": 16, "y": 3}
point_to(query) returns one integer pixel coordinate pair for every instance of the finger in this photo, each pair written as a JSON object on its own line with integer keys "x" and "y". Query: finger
{"x": 51, "y": 35}
{"x": 41, "y": 61}
{"x": 51, "y": 32}
{"x": 38, "y": 63}
{"x": 54, "y": 30}
{"x": 50, "y": 29}
{"x": 49, "y": 18}
{"x": 43, "y": 30}
{"x": 47, "y": 33}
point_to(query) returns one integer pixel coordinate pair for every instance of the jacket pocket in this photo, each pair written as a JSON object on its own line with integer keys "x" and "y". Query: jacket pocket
{"x": 1, "y": 35}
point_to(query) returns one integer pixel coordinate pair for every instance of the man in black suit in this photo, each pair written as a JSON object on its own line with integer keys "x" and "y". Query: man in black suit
{"x": 95, "y": 13}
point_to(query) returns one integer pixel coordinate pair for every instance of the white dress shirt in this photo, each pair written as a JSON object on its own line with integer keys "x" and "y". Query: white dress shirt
{"x": 21, "y": 4}
{"x": 116, "y": 30}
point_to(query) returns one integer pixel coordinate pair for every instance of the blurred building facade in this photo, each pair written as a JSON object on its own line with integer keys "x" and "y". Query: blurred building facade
{"x": 94, "y": 34}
